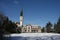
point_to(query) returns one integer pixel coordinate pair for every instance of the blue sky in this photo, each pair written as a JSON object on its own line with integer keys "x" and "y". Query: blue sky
{"x": 36, "y": 12}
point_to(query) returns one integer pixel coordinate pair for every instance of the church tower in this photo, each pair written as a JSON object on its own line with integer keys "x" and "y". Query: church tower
{"x": 21, "y": 18}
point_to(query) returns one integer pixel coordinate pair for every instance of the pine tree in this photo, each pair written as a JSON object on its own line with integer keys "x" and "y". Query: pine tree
{"x": 48, "y": 27}
{"x": 43, "y": 29}
{"x": 1, "y": 27}
{"x": 7, "y": 26}
{"x": 57, "y": 27}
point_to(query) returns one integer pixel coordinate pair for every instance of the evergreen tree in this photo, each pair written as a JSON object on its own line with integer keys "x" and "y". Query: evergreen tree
{"x": 10, "y": 27}
{"x": 48, "y": 27}
{"x": 1, "y": 27}
{"x": 57, "y": 27}
{"x": 7, "y": 26}
{"x": 43, "y": 29}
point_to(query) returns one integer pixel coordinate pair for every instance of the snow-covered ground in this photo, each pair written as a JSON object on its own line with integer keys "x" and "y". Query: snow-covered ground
{"x": 34, "y": 36}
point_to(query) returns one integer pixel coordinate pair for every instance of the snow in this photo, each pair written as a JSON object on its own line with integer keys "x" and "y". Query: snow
{"x": 35, "y": 36}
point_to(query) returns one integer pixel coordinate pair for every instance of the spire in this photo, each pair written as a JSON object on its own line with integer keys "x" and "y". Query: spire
{"x": 21, "y": 13}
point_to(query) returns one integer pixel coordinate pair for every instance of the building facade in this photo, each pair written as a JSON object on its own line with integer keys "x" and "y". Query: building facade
{"x": 31, "y": 29}
{"x": 28, "y": 28}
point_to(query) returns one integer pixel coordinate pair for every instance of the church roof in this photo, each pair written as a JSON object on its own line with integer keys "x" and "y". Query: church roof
{"x": 21, "y": 13}
{"x": 17, "y": 22}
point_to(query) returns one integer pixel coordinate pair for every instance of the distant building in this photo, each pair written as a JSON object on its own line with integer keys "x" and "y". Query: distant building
{"x": 31, "y": 29}
{"x": 28, "y": 28}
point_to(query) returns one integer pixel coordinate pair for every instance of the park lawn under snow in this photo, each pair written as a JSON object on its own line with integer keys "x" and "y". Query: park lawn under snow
{"x": 33, "y": 34}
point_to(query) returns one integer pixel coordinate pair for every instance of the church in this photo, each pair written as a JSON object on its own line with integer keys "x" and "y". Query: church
{"x": 28, "y": 28}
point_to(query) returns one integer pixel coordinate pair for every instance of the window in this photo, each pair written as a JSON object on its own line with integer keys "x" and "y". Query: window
{"x": 28, "y": 30}
{"x": 25, "y": 30}
{"x": 34, "y": 31}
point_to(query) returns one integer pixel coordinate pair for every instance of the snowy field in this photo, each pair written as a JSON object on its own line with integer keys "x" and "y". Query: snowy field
{"x": 33, "y": 36}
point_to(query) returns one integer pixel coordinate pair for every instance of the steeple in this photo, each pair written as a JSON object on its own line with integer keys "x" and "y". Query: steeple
{"x": 21, "y": 13}
{"x": 21, "y": 18}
